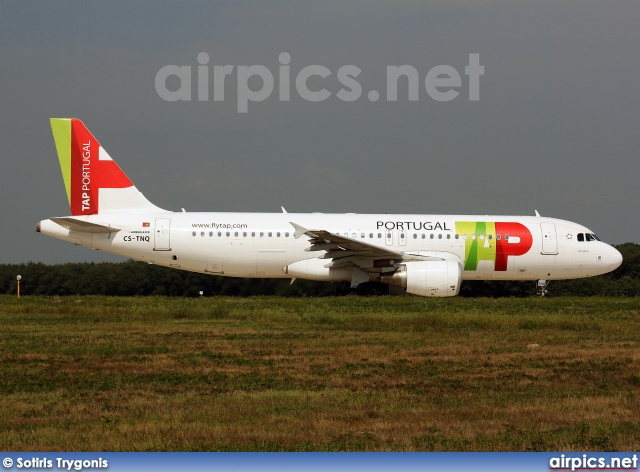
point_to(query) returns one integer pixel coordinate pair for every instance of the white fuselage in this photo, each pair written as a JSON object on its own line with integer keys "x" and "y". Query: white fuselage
{"x": 264, "y": 245}
{"x": 426, "y": 255}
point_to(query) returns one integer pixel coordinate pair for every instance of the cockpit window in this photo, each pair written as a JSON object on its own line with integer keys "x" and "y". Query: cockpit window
{"x": 587, "y": 237}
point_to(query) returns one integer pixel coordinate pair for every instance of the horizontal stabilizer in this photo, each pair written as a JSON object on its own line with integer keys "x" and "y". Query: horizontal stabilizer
{"x": 83, "y": 226}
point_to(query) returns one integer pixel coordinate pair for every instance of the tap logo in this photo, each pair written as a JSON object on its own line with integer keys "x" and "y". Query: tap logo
{"x": 86, "y": 166}
{"x": 488, "y": 241}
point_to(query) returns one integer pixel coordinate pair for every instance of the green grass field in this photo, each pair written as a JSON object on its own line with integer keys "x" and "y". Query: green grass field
{"x": 319, "y": 374}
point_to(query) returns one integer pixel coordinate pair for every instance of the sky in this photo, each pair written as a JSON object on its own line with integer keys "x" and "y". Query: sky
{"x": 554, "y": 128}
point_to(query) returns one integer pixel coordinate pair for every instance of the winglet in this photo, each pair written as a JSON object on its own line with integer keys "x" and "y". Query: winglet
{"x": 283, "y": 210}
{"x": 537, "y": 214}
{"x": 300, "y": 231}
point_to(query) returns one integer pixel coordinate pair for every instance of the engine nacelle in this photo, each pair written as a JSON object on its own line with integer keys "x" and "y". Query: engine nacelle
{"x": 314, "y": 269}
{"x": 427, "y": 278}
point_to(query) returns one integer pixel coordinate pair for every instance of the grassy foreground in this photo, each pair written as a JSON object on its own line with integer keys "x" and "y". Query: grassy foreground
{"x": 319, "y": 374}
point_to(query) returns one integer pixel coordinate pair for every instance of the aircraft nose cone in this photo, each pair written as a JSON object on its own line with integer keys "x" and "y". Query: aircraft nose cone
{"x": 615, "y": 258}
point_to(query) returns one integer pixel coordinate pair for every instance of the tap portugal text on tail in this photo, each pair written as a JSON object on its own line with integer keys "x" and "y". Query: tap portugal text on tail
{"x": 428, "y": 255}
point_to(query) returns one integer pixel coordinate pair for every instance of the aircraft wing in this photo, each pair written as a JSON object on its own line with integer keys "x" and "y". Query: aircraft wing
{"x": 344, "y": 251}
{"x": 83, "y": 226}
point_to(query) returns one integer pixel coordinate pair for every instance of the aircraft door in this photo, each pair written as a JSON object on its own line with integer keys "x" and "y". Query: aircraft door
{"x": 549, "y": 239}
{"x": 162, "y": 237}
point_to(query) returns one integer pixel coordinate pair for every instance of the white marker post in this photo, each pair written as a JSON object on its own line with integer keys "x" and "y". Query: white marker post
{"x": 18, "y": 279}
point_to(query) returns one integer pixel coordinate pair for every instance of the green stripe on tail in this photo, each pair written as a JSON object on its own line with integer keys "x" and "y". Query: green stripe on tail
{"x": 61, "y": 128}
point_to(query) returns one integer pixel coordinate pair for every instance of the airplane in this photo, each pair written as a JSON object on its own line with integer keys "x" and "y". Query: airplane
{"x": 426, "y": 255}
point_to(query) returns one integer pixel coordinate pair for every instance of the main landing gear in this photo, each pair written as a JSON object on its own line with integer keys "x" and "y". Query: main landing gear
{"x": 542, "y": 287}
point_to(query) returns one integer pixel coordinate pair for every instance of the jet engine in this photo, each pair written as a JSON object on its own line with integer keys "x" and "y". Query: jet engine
{"x": 427, "y": 278}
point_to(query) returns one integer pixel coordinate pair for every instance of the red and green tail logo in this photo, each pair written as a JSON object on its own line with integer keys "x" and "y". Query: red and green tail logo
{"x": 86, "y": 166}
{"x": 495, "y": 242}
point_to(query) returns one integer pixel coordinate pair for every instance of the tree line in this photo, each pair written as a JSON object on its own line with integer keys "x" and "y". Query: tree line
{"x": 137, "y": 278}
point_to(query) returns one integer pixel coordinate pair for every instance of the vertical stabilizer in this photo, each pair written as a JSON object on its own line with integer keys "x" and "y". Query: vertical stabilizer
{"x": 94, "y": 182}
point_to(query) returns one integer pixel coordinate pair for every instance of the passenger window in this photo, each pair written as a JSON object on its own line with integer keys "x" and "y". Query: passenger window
{"x": 424, "y": 236}
{"x": 440, "y": 236}
{"x": 379, "y": 235}
{"x": 278, "y": 234}
{"x": 244, "y": 234}
{"x": 210, "y": 233}
{"x": 193, "y": 234}
{"x": 431, "y": 236}
{"x": 401, "y": 235}
{"x": 261, "y": 234}
{"x": 473, "y": 236}
{"x": 506, "y": 236}
{"x": 490, "y": 236}
{"x": 415, "y": 236}
{"x": 286, "y": 235}
{"x": 236, "y": 234}
{"x": 448, "y": 236}
{"x": 219, "y": 233}
{"x": 457, "y": 236}
{"x": 253, "y": 234}
{"x": 581, "y": 237}
{"x": 498, "y": 237}
{"x": 370, "y": 235}
{"x": 228, "y": 234}
{"x": 270, "y": 234}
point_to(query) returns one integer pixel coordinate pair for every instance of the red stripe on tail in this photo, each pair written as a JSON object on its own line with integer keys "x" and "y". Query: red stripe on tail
{"x": 88, "y": 173}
